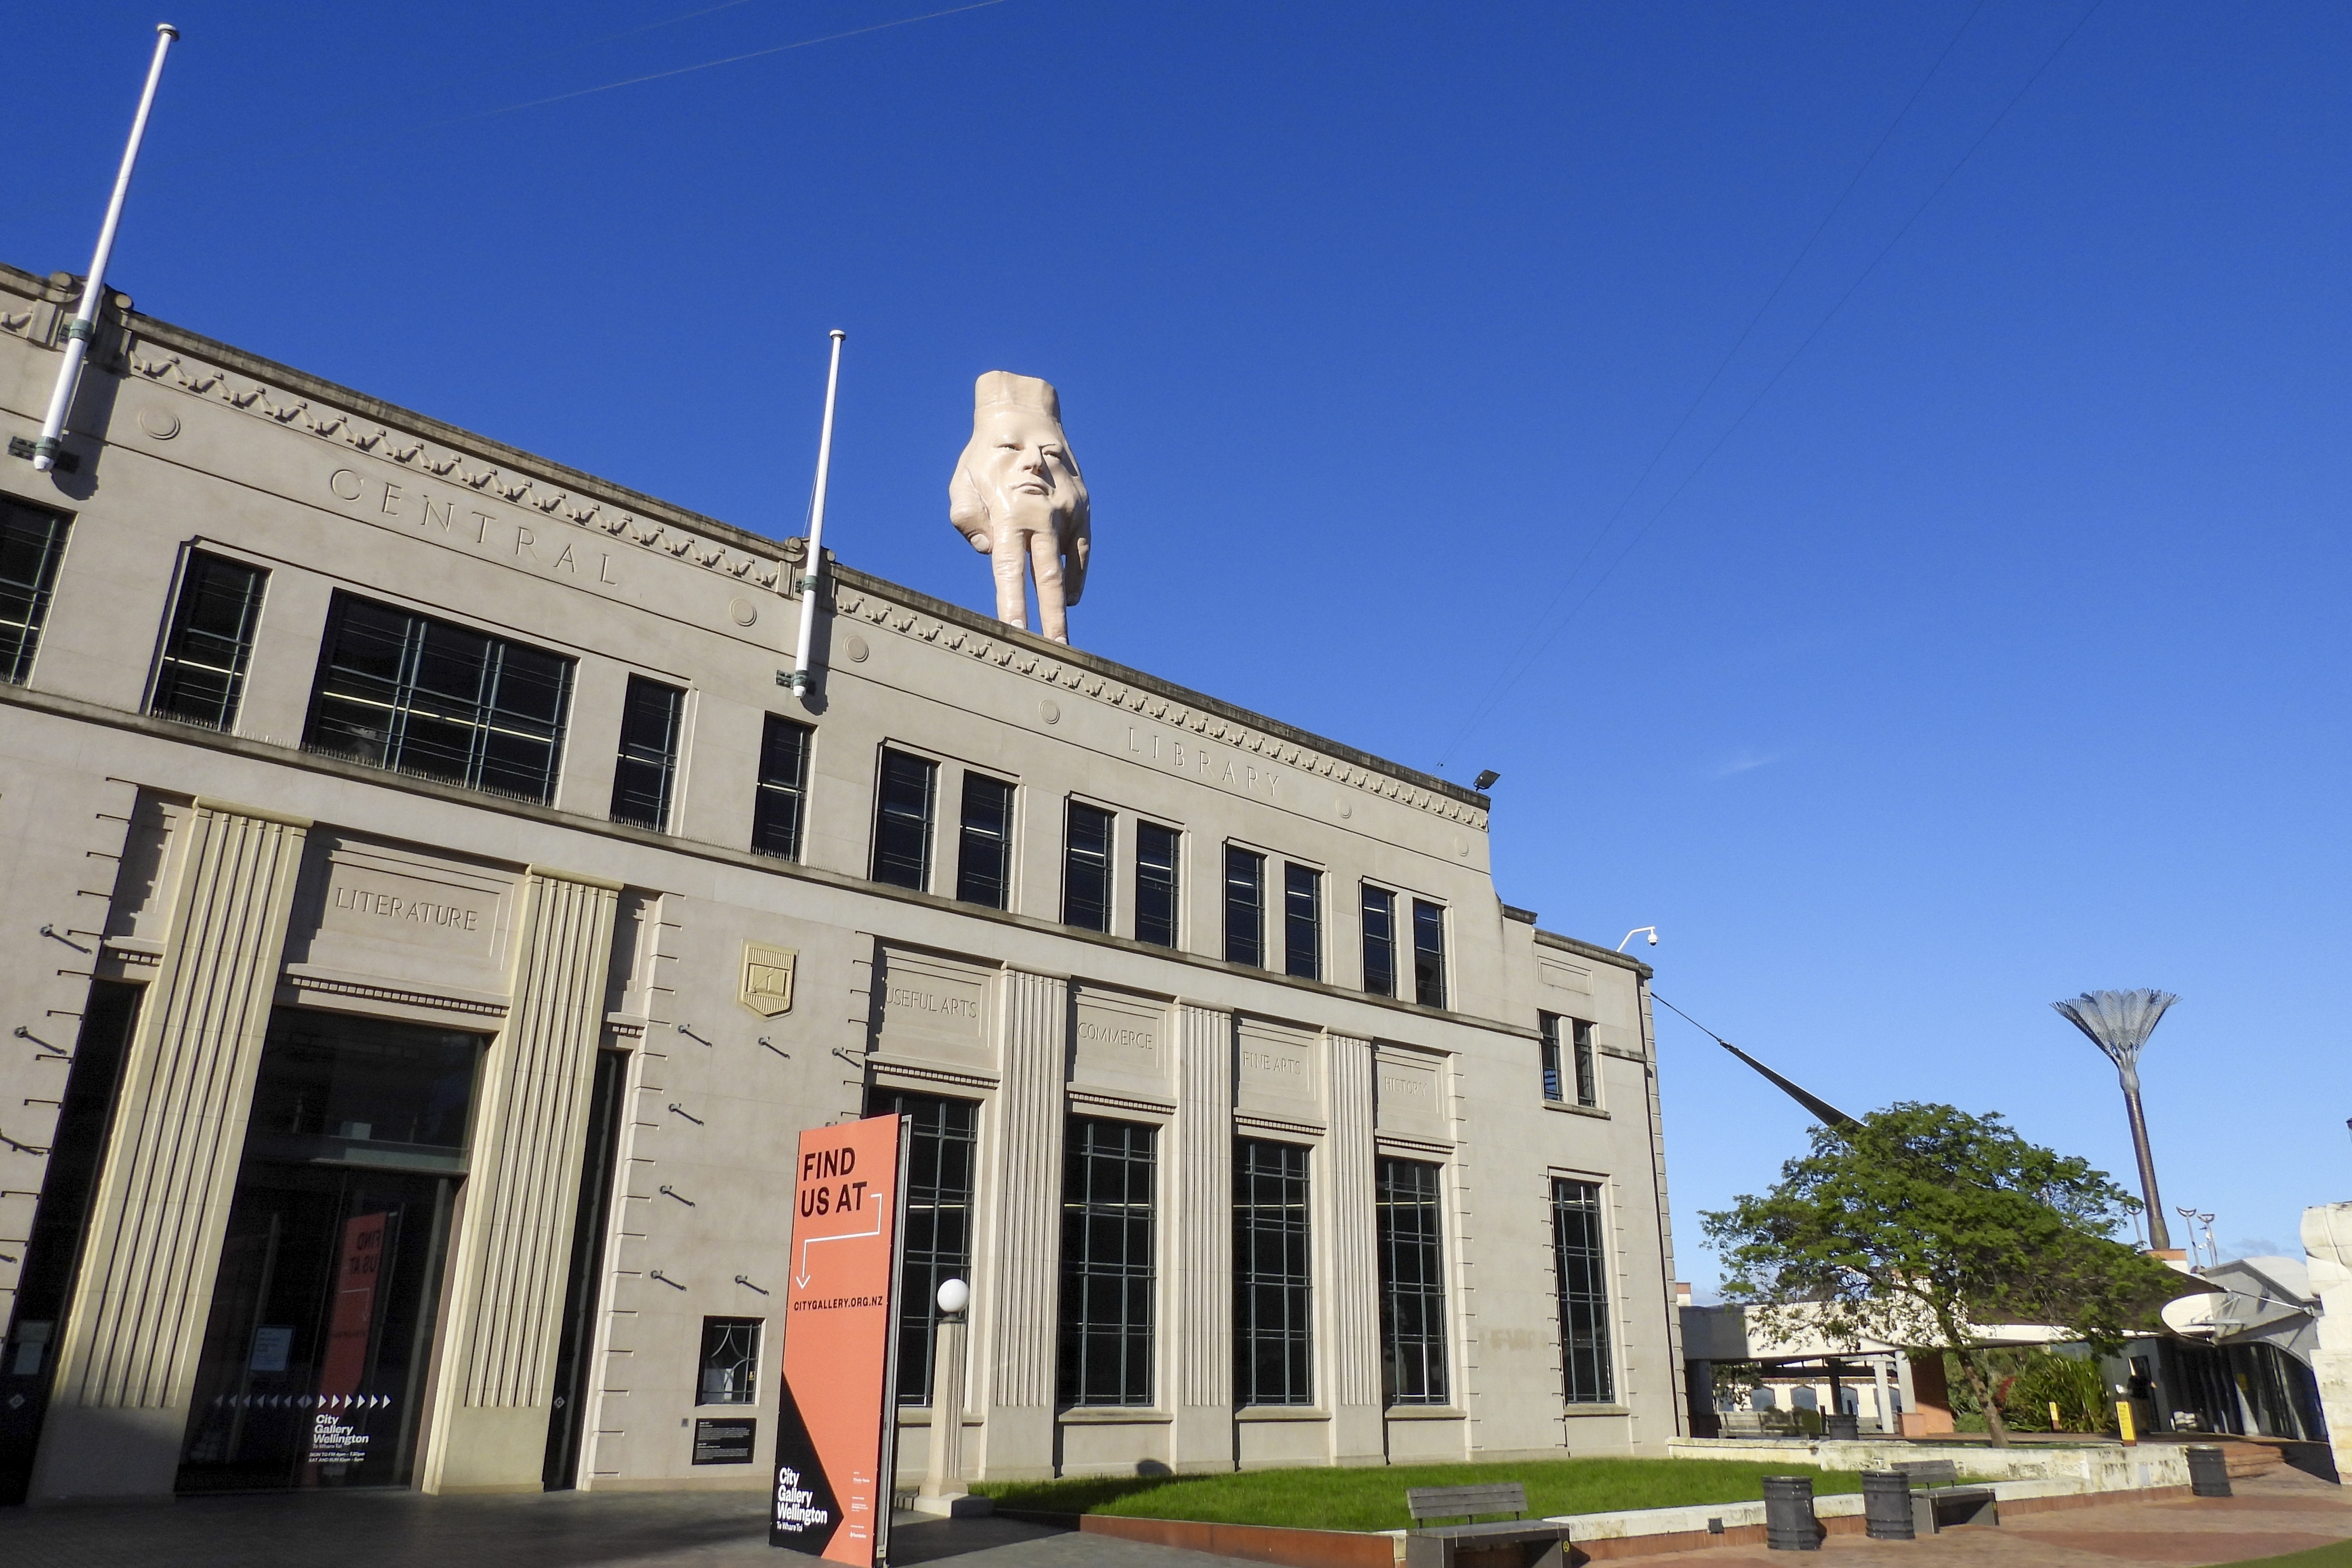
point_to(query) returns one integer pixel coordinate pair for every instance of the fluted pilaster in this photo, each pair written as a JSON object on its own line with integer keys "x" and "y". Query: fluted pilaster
{"x": 1200, "y": 1248}
{"x": 1348, "y": 1291}
{"x": 1022, "y": 1288}
{"x": 507, "y": 1300}
{"x": 128, "y": 1355}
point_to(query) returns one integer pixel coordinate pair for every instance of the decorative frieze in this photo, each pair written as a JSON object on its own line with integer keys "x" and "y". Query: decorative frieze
{"x": 263, "y": 401}
{"x": 1070, "y": 676}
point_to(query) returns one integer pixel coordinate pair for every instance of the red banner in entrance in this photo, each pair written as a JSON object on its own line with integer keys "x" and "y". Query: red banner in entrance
{"x": 836, "y": 1431}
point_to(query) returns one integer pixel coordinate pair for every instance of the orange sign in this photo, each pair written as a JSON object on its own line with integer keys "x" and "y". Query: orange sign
{"x": 837, "y": 1432}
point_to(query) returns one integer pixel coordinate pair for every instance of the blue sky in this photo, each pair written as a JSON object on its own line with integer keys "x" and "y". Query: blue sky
{"x": 1977, "y": 640}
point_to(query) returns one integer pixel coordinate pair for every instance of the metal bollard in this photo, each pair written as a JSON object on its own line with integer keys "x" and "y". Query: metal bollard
{"x": 1887, "y": 1505}
{"x": 2209, "y": 1470}
{"x": 1788, "y": 1524}
{"x": 1842, "y": 1428}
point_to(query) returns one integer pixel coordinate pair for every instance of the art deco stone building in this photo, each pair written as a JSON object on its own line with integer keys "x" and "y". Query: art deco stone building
{"x": 433, "y": 922}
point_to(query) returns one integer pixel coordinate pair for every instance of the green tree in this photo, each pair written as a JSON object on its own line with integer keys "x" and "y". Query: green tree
{"x": 1919, "y": 1225}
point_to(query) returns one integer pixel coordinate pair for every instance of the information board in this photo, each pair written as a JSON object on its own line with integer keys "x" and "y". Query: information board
{"x": 837, "y": 1429}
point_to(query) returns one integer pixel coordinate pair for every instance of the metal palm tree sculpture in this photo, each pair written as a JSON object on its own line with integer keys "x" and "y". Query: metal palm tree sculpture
{"x": 2119, "y": 1023}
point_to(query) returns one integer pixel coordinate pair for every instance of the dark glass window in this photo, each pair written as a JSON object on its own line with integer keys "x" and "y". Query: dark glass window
{"x": 1588, "y": 1082}
{"x": 1428, "y": 954}
{"x": 1085, "y": 869}
{"x": 1379, "y": 941}
{"x": 1272, "y": 1317}
{"x": 781, "y": 808}
{"x": 202, "y": 677}
{"x": 940, "y": 1139}
{"x": 32, "y": 541}
{"x": 1302, "y": 921}
{"x": 1551, "y": 1082}
{"x": 418, "y": 696}
{"x": 337, "y": 1087}
{"x": 1245, "y": 906}
{"x": 730, "y": 1362}
{"x": 1411, "y": 1241}
{"x": 328, "y": 1289}
{"x": 902, "y": 821}
{"x": 1107, "y": 1270}
{"x": 1583, "y": 1292}
{"x": 1155, "y": 883}
{"x": 984, "y": 847}
{"x": 647, "y": 770}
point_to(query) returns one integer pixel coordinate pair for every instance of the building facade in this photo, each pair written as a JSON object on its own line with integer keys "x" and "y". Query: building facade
{"x": 436, "y": 920}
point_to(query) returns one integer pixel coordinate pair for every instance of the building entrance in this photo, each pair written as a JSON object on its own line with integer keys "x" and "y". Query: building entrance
{"x": 315, "y": 1356}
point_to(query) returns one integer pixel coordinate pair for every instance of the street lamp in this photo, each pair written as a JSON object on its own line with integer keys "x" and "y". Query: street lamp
{"x": 943, "y": 1491}
{"x": 2119, "y": 1022}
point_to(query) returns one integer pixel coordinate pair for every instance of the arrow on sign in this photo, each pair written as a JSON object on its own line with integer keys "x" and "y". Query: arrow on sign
{"x": 878, "y": 1197}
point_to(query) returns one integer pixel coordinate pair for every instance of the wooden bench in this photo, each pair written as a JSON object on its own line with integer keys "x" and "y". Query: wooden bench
{"x": 1515, "y": 1542}
{"x": 1938, "y": 1500}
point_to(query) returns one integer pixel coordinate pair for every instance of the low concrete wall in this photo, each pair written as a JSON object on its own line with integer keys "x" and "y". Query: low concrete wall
{"x": 2092, "y": 1467}
{"x": 1633, "y": 1532}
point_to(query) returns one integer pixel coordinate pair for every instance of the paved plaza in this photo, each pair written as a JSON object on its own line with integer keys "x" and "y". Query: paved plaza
{"x": 2282, "y": 1513}
{"x": 543, "y": 1530}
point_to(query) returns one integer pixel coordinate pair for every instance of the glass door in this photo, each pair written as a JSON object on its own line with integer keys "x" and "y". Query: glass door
{"x": 315, "y": 1356}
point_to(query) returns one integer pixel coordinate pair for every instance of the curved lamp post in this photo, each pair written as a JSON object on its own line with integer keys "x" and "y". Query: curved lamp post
{"x": 2119, "y": 1023}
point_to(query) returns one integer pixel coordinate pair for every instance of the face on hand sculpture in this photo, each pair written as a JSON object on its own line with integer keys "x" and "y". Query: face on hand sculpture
{"x": 1018, "y": 497}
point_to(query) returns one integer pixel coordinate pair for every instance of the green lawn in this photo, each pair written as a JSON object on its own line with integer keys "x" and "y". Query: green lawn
{"x": 2337, "y": 1556}
{"x": 1373, "y": 1499}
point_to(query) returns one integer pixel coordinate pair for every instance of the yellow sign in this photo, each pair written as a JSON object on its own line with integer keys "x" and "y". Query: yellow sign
{"x": 767, "y": 987}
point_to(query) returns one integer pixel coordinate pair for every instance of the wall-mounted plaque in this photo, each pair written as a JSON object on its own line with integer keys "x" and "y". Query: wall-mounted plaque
{"x": 725, "y": 1441}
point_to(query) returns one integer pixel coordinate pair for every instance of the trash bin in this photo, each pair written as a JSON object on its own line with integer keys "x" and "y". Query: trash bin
{"x": 1842, "y": 1428}
{"x": 1789, "y": 1523}
{"x": 2209, "y": 1470}
{"x": 1887, "y": 1505}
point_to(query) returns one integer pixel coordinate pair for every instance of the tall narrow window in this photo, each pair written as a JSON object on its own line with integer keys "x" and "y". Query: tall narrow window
{"x": 780, "y": 808}
{"x": 44, "y": 1283}
{"x": 1107, "y": 1264}
{"x": 646, "y": 773}
{"x": 1549, "y": 1023}
{"x": 1588, "y": 1079}
{"x": 1428, "y": 954}
{"x": 730, "y": 1362}
{"x": 1245, "y": 906}
{"x": 1302, "y": 921}
{"x": 1273, "y": 1312}
{"x": 902, "y": 821}
{"x": 1411, "y": 1242}
{"x": 1582, "y": 1268}
{"x": 940, "y": 1140}
{"x": 1379, "y": 941}
{"x": 32, "y": 541}
{"x": 1155, "y": 883}
{"x": 1085, "y": 869}
{"x": 201, "y": 677}
{"x": 985, "y": 846}
{"x": 418, "y": 696}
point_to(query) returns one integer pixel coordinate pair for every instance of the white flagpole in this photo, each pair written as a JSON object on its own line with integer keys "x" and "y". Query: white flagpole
{"x": 803, "y": 677}
{"x": 85, "y": 322}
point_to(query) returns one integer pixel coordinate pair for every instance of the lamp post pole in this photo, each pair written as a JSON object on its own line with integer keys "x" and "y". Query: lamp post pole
{"x": 943, "y": 1491}
{"x": 2119, "y": 1023}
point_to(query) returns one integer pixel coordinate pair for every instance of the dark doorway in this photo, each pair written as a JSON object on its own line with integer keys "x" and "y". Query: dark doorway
{"x": 53, "y": 1255}
{"x": 313, "y": 1366}
{"x": 574, "y": 1352}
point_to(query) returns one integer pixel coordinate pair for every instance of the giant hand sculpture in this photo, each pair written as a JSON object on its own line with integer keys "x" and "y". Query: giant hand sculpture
{"x": 1018, "y": 497}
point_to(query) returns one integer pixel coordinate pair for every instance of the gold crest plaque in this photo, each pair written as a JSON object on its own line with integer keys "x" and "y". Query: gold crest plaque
{"x": 767, "y": 978}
